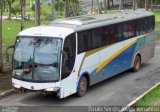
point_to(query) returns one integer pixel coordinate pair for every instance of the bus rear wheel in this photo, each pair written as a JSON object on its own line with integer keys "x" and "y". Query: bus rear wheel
{"x": 82, "y": 87}
{"x": 137, "y": 64}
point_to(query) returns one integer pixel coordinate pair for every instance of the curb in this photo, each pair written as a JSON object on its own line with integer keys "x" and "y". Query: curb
{"x": 138, "y": 98}
{"x": 6, "y": 93}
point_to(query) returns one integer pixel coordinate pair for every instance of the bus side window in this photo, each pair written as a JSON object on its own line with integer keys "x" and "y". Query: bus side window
{"x": 94, "y": 39}
{"x": 125, "y": 30}
{"x": 119, "y": 32}
{"x": 110, "y": 34}
{"x": 70, "y": 49}
{"x": 138, "y": 28}
{"x": 151, "y": 23}
{"x": 84, "y": 41}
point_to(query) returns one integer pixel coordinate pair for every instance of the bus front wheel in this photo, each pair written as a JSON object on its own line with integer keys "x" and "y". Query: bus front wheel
{"x": 82, "y": 89}
{"x": 137, "y": 64}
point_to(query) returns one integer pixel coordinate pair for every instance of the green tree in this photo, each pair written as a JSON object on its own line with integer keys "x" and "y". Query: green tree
{"x": 66, "y": 8}
{"x": 71, "y": 8}
{"x": 2, "y": 6}
{"x": 59, "y": 6}
{"x": 15, "y": 9}
{"x": 9, "y": 3}
{"x": 37, "y": 12}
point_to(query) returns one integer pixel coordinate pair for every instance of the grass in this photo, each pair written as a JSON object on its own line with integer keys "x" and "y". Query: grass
{"x": 152, "y": 99}
{"x": 10, "y": 30}
{"x": 5, "y": 83}
{"x": 157, "y": 14}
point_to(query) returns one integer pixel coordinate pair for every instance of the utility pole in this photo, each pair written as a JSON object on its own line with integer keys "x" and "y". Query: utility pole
{"x": 9, "y": 8}
{"x": 146, "y": 5}
{"x": 105, "y": 6}
{"x": 99, "y": 7}
{"x": 37, "y": 12}
{"x": 66, "y": 8}
{"x": 108, "y": 3}
{"x": 53, "y": 15}
{"x": 92, "y": 8}
{"x": 135, "y": 5}
{"x": 1, "y": 60}
{"x": 1, "y": 14}
{"x": 22, "y": 2}
{"x": 134, "y": 8}
{"x": 121, "y": 5}
{"x": 151, "y": 5}
{"x": 77, "y": 7}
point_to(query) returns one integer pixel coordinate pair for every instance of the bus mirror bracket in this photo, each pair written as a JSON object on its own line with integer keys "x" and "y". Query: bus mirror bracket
{"x": 7, "y": 54}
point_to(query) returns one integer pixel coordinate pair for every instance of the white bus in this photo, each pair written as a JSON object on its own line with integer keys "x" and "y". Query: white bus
{"x": 75, "y": 53}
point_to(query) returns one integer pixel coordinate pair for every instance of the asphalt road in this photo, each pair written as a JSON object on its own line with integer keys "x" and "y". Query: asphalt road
{"x": 117, "y": 91}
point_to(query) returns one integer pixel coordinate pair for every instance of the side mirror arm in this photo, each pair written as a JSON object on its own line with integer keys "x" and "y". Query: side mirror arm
{"x": 7, "y": 54}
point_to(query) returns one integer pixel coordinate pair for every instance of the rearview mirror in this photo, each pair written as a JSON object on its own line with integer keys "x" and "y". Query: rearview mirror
{"x": 7, "y": 54}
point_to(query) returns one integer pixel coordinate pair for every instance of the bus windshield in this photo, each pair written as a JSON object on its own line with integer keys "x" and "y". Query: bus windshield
{"x": 37, "y": 58}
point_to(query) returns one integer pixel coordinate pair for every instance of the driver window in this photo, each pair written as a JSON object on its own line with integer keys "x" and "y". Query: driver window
{"x": 70, "y": 51}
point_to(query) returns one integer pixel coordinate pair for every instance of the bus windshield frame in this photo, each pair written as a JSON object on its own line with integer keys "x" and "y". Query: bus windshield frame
{"x": 36, "y": 63}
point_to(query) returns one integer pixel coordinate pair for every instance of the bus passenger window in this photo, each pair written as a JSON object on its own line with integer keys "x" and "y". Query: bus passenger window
{"x": 84, "y": 41}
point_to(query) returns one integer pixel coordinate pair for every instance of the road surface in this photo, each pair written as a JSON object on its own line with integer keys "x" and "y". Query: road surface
{"x": 117, "y": 91}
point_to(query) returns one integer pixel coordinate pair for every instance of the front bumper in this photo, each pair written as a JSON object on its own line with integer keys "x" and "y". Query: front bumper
{"x": 51, "y": 86}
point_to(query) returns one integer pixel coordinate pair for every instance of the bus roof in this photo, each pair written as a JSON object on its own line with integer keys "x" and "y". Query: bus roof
{"x": 62, "y": 28}
{"x": 97, "y": 20}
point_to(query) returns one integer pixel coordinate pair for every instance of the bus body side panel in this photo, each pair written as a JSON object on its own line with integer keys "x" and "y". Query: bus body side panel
{"x": 105, "y": 55}
{"x": 69, "y": 84}
{"x": 145, "y": 47}
{"x": 118, "y": 57}
{"x": 148, "y": 47}
{"x": 122, "y": 60}
{"x": 90, "y": 63}
{"x": 114, "y": 59}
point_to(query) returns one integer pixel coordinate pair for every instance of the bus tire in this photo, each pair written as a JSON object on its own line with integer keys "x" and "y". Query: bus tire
{"x": 82, "y": 89}
{"x": 137, "y": 64}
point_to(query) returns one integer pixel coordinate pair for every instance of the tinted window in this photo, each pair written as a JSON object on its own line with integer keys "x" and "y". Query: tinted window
{"x": 84, "y": 41}
{"x": 110, "y": 34}
{"x": 119, "y": 32}
{"x": 98, "y": 37}
{"x": 125, "y": 31}
{"x": 151, "y": 23}
{"x": 68, "y": 61}
{"x": 102, "y": 38}
{"x": 131, "y": 28}
{"x": 95, "y": 36}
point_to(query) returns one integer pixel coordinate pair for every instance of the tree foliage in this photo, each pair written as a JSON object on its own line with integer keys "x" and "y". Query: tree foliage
{"x": 9, "y": 5}
{"x": 16, "y": 9}
{"x": 2, "y": 4}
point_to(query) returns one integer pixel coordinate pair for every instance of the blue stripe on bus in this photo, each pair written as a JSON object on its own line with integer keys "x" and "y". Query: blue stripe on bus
{"x": 119, "y": 64}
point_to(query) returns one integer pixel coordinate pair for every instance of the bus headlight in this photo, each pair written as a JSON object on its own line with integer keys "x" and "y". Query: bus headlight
{"x": 51, "y": 89}
{"x": 16, "y": 86}
{"x": 14, "y": 73}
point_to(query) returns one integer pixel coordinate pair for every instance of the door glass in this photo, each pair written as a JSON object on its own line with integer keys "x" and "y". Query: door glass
{"x": 68, "y": 60}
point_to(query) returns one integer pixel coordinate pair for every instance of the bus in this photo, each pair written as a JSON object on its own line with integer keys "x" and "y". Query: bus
{"x": 72, "y": 54}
